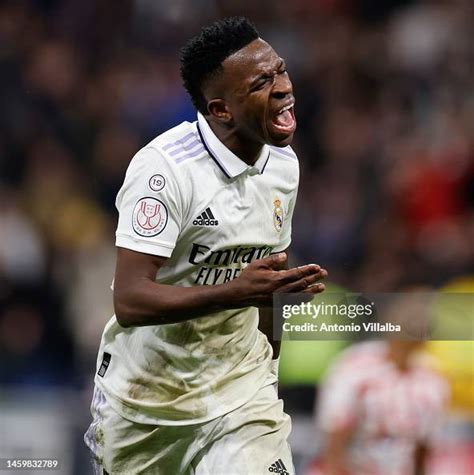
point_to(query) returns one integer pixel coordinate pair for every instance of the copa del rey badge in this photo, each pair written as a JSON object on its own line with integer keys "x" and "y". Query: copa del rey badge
{"x": 149, "y": 217}
{"x": 277, "y": 215}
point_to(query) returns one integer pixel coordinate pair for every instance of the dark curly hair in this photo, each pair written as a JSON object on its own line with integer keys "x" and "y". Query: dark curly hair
{"x": 202, "y": 56}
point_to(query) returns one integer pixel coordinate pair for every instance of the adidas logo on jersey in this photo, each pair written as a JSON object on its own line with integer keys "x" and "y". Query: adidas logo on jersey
{"x": 206, "y": 218}
{"x": 278, "y": 467}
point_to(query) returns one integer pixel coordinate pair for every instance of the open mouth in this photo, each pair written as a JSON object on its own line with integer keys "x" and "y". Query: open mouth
{"x": 284, "y": 120}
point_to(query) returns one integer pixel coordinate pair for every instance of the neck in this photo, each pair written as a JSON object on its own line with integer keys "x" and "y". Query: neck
{"x": 246, "y": 150}
{"x": 400, "y": 355}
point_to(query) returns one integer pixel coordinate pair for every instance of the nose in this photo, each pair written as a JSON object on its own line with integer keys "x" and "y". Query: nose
{"x": 282, "y": 86}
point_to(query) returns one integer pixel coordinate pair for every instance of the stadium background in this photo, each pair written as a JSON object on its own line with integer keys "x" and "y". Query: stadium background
{"x": 385, "y": 108}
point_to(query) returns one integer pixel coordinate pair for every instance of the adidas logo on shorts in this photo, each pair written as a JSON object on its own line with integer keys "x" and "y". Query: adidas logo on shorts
{"x": 278, "y": 467}
{"x": 206, "y": 218}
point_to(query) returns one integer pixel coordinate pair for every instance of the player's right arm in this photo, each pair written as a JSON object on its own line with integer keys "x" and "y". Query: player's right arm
{"x": 335, "y": 452}
{"x": 139, "y": 300}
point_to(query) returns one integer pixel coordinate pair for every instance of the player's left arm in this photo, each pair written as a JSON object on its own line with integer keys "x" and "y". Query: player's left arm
{"x": 433, "y": 421}
{"x": 421, "y": 456}
{"x": 266, "y": 324}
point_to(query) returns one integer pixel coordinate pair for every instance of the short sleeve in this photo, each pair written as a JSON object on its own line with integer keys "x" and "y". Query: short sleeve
{"x": 149, "y": 205}
{"x": 337, "y": 406}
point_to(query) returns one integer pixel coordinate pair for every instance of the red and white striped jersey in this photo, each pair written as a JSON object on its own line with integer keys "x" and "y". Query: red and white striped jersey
{"x": 388, "y": 410}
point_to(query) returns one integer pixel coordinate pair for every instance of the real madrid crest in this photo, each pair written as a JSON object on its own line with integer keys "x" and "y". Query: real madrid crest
{"x": 277, "y": 215}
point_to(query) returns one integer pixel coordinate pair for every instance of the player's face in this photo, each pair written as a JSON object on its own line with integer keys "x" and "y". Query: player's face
{"x": 259, "y": 95}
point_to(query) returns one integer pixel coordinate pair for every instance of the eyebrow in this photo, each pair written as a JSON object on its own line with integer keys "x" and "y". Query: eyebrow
{"x": 265, "y": 74}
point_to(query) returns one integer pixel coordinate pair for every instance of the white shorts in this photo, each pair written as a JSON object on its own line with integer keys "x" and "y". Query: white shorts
{"x": 251, "y": 440}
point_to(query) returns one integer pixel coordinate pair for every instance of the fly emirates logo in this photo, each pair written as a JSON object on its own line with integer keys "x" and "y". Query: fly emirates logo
{"x": 223, "y": 265}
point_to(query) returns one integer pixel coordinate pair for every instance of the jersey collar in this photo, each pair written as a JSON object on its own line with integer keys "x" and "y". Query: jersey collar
{"x": 230, "y": 164}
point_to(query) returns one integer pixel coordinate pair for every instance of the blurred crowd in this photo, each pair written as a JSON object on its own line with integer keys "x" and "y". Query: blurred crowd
{"x": 385, "y": 109}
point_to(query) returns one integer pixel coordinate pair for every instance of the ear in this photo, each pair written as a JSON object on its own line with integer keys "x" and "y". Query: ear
{"x": 219, "y": 110}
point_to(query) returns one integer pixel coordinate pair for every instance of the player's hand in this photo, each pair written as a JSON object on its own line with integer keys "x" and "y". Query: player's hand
{"x": 262, "y": 278}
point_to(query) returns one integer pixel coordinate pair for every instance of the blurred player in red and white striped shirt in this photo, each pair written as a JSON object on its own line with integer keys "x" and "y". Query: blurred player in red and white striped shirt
{"x": 380, "y": 410}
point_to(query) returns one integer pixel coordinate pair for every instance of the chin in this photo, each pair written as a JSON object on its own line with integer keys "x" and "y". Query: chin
{"x": 282, "y": 141}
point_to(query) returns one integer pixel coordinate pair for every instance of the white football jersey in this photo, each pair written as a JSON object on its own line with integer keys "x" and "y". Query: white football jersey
{"x": 189, "y": 198}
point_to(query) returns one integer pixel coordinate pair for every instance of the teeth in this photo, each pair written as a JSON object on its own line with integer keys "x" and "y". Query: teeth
{"x": 285, "y": 108}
